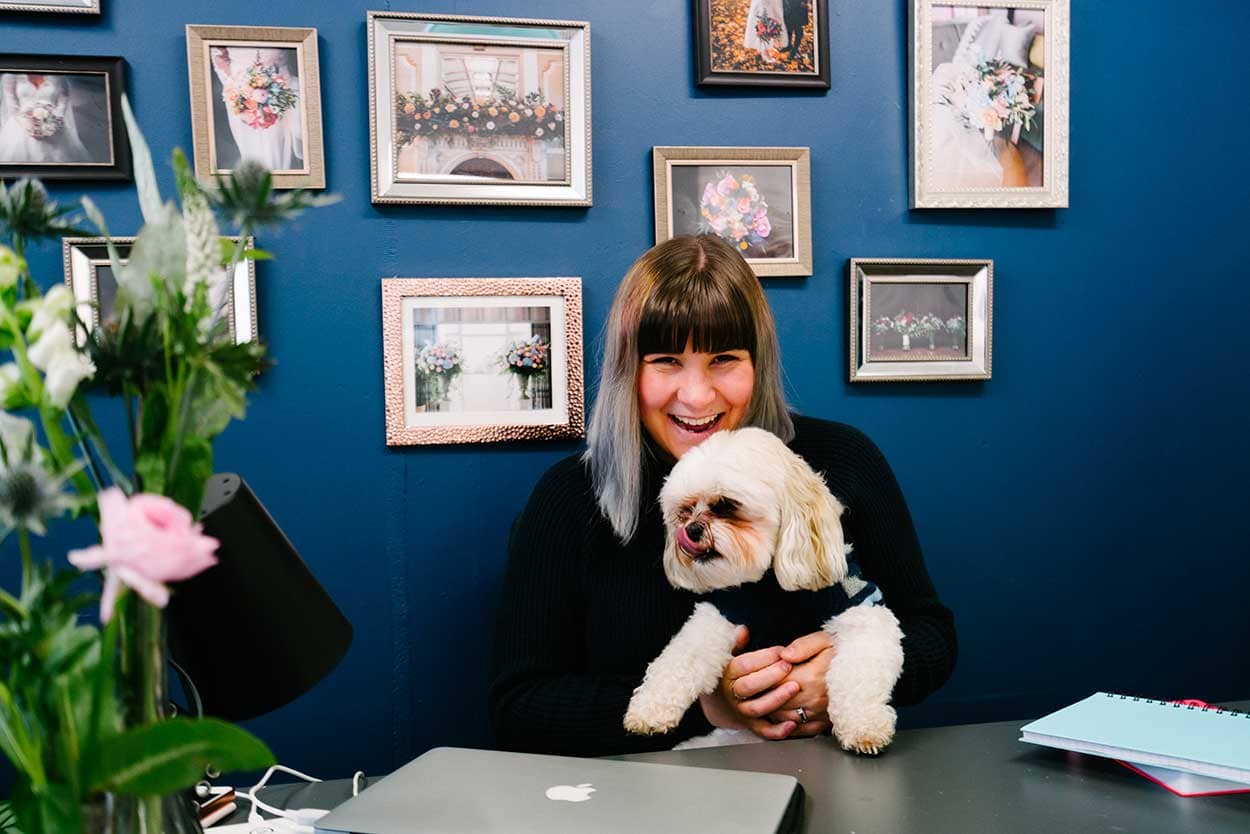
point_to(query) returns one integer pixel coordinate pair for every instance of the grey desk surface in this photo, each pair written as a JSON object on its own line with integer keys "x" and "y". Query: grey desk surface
{"x": 971, "y": 779}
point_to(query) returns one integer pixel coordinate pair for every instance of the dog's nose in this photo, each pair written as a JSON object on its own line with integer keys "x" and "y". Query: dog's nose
{"x": 695, "y": 531}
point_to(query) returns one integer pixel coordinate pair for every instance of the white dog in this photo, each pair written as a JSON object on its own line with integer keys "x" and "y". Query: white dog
{"x": 736, "y": 505}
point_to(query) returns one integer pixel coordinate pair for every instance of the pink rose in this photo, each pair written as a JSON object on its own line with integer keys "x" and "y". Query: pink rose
{"x": 762, "y": 227}
{"x": 148, "y": 540}
{"x": 728, "y": 185}
{"x": 744, "y": 205}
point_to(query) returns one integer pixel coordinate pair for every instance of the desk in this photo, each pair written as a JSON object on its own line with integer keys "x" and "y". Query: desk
{"x": 971, "y": 779}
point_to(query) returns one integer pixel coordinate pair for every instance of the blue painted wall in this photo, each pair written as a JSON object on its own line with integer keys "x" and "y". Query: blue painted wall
{"x": 1084, "y": 513}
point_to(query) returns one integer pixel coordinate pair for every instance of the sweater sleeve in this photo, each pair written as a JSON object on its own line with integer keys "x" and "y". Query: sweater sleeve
{"x": 878, "y": 524}
{"x": 543, "y": 700}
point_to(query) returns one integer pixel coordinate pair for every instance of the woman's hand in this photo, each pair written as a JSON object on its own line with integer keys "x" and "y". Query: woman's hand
{"x": 809, "y": 658}
{"x": 752, "y": 686}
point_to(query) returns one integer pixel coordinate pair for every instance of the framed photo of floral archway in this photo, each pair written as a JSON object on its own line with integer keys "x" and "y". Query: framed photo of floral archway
{"x": 482, "y": 360}
{"x": 915, "y": 320}
{"x": 479, "y": 110}
{"x": 989, "y": 103}
{"x": 90, "y": 277}
{"x": 757, "y": 199}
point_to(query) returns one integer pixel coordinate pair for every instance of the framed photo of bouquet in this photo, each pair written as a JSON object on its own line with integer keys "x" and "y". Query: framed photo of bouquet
{"x": 59, "y": 6}
{"x": 762, "y": 43}
{"x": 256, "y": 94}
{"x": 989, "y": 103}
{"x": 482, "y": 360}
{"x": 61, "y": 118}
{"x": 920, "y": 320}
{"x": 90, "y": 277}
{"x": 479, "y": 110}
{"x": 757, "y": 199}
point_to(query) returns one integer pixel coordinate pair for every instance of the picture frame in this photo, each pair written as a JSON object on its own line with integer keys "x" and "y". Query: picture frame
{"x": 479, "y": 110}
{"x": 1005, "y": 146}
{"x": 693, "y": 196}
{"x": 53, "y": 6}
{"x": 70, "y": 124}
{"x": 89, "y": 276}
{"x": 728, "y": 53}
{"x": 482, "y": 360}
{"x": 256, "y": 93}
{"x": 921, "y": 320}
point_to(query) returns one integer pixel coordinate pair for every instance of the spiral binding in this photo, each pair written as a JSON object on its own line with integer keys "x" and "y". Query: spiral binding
{"x": 1179, "y": 705}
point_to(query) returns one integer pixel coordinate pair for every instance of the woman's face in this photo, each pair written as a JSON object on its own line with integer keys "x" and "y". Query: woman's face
{"x": 686, "y": 397}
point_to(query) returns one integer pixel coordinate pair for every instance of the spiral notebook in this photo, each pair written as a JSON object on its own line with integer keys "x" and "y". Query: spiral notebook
{"x": 1206, "y": 741}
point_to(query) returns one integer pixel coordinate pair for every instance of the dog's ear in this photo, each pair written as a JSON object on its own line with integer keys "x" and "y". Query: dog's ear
{"x": 811, "y": 552}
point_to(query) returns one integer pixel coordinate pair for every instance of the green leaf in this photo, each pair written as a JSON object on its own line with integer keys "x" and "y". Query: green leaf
{"x": 145, "y": 174}
{"x": 255, "y": 254}
{"x": 170, "y": 755}
{"x": 195, "y": 467}
{"x": 54, "y": 810}
{"x": 150, "y": 468}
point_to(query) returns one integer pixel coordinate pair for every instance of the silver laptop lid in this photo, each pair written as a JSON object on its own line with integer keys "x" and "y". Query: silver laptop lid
{"x": 455, "y": 791}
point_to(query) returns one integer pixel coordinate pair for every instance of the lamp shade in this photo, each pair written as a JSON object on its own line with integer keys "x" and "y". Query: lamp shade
{"x": 257, "y": 630}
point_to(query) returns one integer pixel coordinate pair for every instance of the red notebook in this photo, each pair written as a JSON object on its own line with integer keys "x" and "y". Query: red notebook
{"x": 1187, "y": 784}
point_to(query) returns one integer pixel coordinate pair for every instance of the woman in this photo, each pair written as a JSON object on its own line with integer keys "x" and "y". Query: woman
{"x": 691, "y": 350}
{"x": 261, "y": 97}
{"x": 37, "y": 121}
{"x": 766, "y": 29}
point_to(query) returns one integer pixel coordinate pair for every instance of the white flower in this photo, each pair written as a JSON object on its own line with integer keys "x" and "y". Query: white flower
{"x": 10, "y": 267}
{"x": 10, "y": 376}
{"x": 53, "y": 307}
{"x": 17, "y": 434}
{"x": 64, "y": 367}
{"x": 490, "y": 125}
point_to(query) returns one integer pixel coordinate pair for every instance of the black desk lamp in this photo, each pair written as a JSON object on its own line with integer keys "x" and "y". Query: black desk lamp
{"x": 259, "y": 602}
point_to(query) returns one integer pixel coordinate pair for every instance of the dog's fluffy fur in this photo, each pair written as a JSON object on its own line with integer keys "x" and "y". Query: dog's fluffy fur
{"x": 735, "y": 505}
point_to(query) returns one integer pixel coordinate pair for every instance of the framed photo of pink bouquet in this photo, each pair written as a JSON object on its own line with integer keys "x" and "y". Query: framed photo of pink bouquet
{"x": 256, "y": 95}
{"x": 989, "y": 103}
{"x": 757, "y": 199}
{"x": 61, "y": 117}
{"x": 482, "y": 360}
{"x": 478, "y": 110}
{"x": 920, "y": 320}
{"x": 762, "y": 43}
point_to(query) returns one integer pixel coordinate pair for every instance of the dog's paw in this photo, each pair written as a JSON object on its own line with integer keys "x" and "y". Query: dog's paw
{"x": 867, "y": 730}
{"x": 650, "y": 719}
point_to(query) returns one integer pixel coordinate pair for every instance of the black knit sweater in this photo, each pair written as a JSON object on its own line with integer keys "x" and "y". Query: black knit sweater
{"x": 582, "y": 614}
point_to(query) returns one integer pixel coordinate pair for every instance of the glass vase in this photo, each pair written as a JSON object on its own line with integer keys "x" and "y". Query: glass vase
{"x": 143, "y": 698}
{"x": 523, "y": 380}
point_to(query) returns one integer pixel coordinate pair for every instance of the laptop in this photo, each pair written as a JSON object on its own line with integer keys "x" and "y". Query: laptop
{"x": 452, "y": 790}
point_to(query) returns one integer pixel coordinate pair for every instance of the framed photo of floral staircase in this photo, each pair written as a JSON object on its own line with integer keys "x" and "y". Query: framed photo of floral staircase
{"x": 479, "y": 110}
{"x": 757, "y": 199}
{"x": 482, "y": 360}
{"x": 989, "y": 103}
{"x": 913, "y": 320}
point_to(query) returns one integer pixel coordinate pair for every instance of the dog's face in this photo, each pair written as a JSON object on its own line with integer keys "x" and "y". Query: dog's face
{"x": 741, "y": 501}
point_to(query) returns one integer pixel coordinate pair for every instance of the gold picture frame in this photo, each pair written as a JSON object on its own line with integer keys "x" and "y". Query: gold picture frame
{"x": 482, "y": 360}
{"x": 692, "y": 196}
{"x": 289, "y": 142}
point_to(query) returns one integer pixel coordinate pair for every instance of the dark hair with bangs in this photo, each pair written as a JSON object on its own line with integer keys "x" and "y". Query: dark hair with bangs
{"x": 688, "y": 289}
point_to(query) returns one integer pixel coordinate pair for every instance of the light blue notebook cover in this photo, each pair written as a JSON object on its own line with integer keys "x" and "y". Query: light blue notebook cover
{"x": 1209, "y": 742}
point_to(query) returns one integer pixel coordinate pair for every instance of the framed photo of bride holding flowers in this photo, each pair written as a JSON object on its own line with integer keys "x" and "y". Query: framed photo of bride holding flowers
{"x": 757, "y": 199}
{"x": 482, "y": 360}
{"x": 762, "y": 43}
{"x": 256, "y": 94}
{"x": 989, "y": 103}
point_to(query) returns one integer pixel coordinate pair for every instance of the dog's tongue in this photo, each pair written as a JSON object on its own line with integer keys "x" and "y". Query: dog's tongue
{"x": 688, "y": 544}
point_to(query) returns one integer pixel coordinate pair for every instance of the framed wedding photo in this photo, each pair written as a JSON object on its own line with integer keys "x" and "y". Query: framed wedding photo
{"x": 54, "y": 6}
{"x": 256, "y": 94}
{"x": 757, "y": 199}
{"x": 762, "y": 43}
{"x": 920, "y": 320}
{"x": 479, "y": 110}
{"x": 989, "y": 103}
{"x": 61, "y": 118}
{"x": 90, "y": 277}
{"x": 482, "y": 360}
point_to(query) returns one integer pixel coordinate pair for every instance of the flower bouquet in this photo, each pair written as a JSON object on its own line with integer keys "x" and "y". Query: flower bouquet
{"x": 438, "y": 364}
{"x": 259, "y": 94}
{"x": 40, "y": 122}
{"x": 734, "y": 209}
{"x": 994, "y": 96}
{"x": 441, "y": 114}
{"x": 525, "y": 358}
{"x": 83, "y": 710}
{"x": 930, "y": 325}
{"x": 905, "y": 325}
{"x": 957, "y": 328}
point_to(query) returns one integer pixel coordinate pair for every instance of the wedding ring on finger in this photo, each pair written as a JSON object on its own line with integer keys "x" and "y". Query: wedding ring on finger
{"x": 802, "y": 715}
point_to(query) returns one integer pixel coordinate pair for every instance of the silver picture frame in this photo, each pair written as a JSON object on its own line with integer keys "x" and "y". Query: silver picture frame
{"x": 84, "y": 258}
{"x": 53, "y": 6}
{"x": 478, "y": 159}
{"x": 962, "y": 154}
{"x": 921, "y": 320}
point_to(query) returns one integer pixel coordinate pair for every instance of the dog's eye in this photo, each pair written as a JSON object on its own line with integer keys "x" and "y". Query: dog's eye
{"x": 725, "y": 507}
{"x": 685, "y": 510}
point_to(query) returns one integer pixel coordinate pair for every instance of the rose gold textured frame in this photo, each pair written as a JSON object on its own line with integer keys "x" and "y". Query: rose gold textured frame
{"x": 395, "y": 290}
{"x": 664, "y": 158}
{"x": 304, "y": 41}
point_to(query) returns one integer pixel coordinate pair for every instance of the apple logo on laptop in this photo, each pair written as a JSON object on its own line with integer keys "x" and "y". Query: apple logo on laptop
{"x": 570, "y": 793}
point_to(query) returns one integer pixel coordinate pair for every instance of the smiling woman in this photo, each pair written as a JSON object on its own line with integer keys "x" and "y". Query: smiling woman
{"x": 691, "y": 350}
